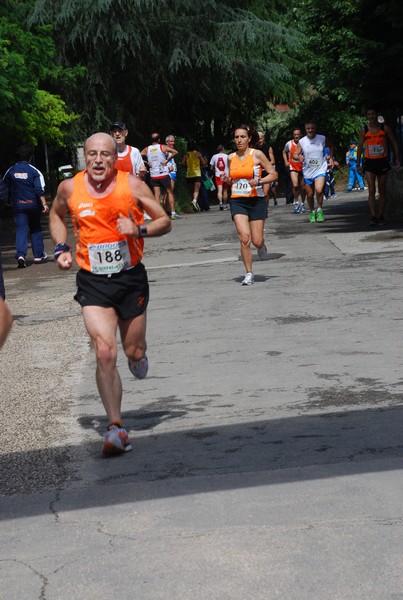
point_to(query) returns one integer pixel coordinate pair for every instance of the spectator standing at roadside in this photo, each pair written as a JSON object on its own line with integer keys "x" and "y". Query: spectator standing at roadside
{"x": 3, "y": 202}
{"x": 354, "y": 174}
{"x": 26, "y": 186}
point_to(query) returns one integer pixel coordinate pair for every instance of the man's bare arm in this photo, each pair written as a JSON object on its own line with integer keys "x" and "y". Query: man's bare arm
{"x": 57, "y": 223}
{"x": 160, "y": 224}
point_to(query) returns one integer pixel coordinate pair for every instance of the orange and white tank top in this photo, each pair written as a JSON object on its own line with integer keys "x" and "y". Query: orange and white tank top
{"x": 241, "y": 172}
{"x": 100, "y": 248}
{"x": 129, "y": 161}
{"x": 294, "y": 165}
{"x": 376, "y": 144}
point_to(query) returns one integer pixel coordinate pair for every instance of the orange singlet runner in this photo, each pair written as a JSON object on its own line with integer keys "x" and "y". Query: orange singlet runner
{"x": 241, "y": 171}
{"x": 99, "y": 247}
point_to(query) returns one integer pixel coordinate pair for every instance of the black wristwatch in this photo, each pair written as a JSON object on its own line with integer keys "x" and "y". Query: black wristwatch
{"x": 142, "y": 229}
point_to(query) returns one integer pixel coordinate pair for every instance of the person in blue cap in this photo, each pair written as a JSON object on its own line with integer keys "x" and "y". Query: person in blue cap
{"x": 354, "y": 175}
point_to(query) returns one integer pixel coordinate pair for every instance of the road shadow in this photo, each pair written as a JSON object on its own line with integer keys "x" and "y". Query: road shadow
{"x": 303, "y": 447}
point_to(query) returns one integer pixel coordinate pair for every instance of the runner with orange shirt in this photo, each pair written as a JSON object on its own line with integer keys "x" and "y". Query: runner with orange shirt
{"x": 295, "y": 168}
{"x": 248, "y": 205}
{"x": 375, "y": 137}
{"x": 106, "y": 207}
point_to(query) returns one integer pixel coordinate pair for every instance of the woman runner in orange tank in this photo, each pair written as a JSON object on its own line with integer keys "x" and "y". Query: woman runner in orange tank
{"x": 375, "y": 137}
{"x": 248, "y": 205}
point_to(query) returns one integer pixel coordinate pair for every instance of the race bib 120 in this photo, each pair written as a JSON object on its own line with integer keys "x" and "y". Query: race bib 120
{"x": 241, "y": 187}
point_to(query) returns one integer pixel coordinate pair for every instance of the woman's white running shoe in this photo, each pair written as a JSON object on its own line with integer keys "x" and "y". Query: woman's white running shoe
{"x": 249, "y": 279}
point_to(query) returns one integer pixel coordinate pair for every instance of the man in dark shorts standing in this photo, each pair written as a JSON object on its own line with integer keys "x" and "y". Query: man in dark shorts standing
{"x": 375, "y": 137}
{"x": 107, "y": 207}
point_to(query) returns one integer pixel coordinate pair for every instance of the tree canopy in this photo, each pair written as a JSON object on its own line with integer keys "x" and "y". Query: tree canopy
{"x": 30, "y": 110}
{"x": 70, "y": 67}
{"x": 173, "y": 63}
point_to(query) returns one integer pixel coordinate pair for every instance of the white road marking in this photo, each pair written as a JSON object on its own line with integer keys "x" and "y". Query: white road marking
{"x": 195, "y": 264}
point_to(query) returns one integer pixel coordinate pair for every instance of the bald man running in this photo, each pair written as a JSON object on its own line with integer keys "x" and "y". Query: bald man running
{"x": 106, "y": 207}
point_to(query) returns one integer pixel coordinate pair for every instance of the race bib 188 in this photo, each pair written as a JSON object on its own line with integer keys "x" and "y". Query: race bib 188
{"x": 109, "y": 258}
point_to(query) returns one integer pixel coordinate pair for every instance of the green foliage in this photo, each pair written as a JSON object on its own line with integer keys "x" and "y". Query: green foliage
{"x": 336, "y": 52}
{"x": 29, "y": 109}
{"x": 48, "y": 120}
{"x": 193, "y": 66}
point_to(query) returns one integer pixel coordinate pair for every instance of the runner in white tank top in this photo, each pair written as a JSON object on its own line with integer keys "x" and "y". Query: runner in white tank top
{"x": 310, "y": 151}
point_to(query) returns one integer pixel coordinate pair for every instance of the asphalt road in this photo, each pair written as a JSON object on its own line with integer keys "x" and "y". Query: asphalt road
{"x": 267, "y": 437}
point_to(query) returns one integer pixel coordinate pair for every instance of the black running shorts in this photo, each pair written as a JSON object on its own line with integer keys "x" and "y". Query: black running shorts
{"x": 127, "y": 292}
{"x": 163, "y": 182}
{"x": 254, "y": 208}
{"x": 377, "y": 166}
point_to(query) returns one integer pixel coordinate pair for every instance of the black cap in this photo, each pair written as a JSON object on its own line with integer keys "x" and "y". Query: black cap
{"x": 353, "y": 141}
{"x": 118, "y": 125}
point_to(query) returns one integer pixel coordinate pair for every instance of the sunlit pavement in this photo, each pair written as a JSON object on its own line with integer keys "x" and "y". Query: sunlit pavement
{"x": 267, "y": 438}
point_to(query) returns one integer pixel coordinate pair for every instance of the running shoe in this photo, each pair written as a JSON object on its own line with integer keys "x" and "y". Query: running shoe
{"x": 381, "y": 220}
{"x": 221, "y": 207}
{"x": 195, "y": 205}
{"x": 275, "y": 203}
{"x": 262, "y": 253}
{"x": 248, "y": 279}
{"x": 312, "y": 217}
{"x": 116, "y": 441}
{"x": 139, "y": 368}
{"x": 21, "y": 264}
{"x": 296, "y": 209}
{"x": 373, "y": 222}
{"x": 319, "y": 216}
{"x": 303, "y": 209}
{"x": 225, "y": 206}
{"x": 42, "y": 259}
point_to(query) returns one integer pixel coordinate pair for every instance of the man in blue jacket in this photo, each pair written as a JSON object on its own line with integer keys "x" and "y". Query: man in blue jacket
{"x": 351, "y": 161}
{"x": 3, "y": 201}
{"x": 26, "y": 186}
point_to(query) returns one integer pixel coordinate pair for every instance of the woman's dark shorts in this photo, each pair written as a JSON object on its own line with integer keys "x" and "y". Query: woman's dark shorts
{"x": 191, "y": 180}
{"x": 254, "y": 208}
{"x": 377, "y": 166}
{"x": 127, "y": 292}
